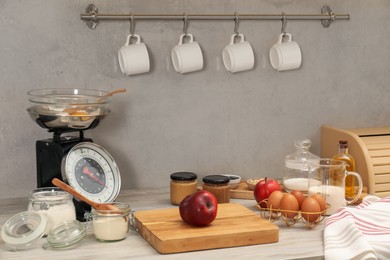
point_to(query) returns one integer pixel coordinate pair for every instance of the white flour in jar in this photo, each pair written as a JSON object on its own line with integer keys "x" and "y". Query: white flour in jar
{"x": 109, "y": 228}
{"x": 58, "y": 214}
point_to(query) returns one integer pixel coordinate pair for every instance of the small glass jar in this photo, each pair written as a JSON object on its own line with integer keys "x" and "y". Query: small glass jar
{"x": 54, "y": 203}
{"x": 182, "y": 185}
{"x": 219, "y": 186}
{"x": 112, "y": 224}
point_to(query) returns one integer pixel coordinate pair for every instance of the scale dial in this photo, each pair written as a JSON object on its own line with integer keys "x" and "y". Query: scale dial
{"x": 92, "y": 171}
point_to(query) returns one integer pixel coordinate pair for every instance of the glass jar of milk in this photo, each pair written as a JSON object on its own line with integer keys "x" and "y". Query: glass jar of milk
{"x": 111, "y": 225}
{"x": 296, "y": 167}
{"x": 54, "y": 203}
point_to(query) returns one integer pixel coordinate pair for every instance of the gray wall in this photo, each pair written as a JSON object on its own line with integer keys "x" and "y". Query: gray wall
{"x": 208, "y": 122}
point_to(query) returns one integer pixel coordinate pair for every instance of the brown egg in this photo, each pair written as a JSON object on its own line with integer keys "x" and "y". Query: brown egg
{"x": 299, "y": 196}
{"x": 289, "y": 205}
{"x": 309, "y": 206}
{"x": 274, "y": 199}
{"x": 321, "y": 201}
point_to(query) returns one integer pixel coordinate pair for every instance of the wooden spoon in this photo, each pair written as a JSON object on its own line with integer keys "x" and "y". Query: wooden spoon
{"x": 109, "y": 94}
{"x": 98, "y": 206}
{"x": 73, "y": 111}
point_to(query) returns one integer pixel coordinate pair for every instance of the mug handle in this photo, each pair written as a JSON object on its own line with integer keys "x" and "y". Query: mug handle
{"x": 129, "y": 37}
{"x": 285, "y": 35}
{"x": 360, "y": 186}
{"x": 185, "y": 35}
{"x": 236, "y": 35}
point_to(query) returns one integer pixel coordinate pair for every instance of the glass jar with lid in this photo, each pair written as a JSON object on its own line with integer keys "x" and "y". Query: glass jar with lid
{"x": 219, "y": 186}
{"x": 296, "y": 167}
{"x": 112, "y": 224}
{"x": 182, "y": 185}
{"x": 56, "y": 204}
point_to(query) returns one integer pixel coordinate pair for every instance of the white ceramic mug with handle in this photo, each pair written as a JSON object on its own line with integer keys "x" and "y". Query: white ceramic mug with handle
{"x": 238, "y": 56}
{"x": 133, "y": 56}
{"x": 285, "y": 54}
{"x": 187, "y": 56}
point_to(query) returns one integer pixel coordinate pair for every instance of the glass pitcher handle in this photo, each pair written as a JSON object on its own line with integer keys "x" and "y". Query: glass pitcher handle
{"x": 360, "y": 182}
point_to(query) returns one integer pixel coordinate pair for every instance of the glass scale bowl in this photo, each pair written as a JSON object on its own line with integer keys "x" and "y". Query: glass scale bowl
{"x": 66, "y": 109}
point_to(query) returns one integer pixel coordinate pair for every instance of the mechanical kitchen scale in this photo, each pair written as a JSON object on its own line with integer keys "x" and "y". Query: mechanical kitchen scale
{"x": 69, "y": 156}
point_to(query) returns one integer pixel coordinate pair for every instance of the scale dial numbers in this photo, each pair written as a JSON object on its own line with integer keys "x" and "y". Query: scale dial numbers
{"x": 92, "y": 171}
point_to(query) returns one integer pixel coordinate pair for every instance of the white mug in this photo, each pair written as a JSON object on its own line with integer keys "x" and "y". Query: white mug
{"x": 187, "y": 57}
{"x": 285, "y": 55}
{"x": 238, "y": 56}
{"x": 134, "y": 57}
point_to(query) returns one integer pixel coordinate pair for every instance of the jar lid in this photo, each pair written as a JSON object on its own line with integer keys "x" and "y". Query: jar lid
{"x": 216, "y": 179}
{"x": 23, "y": 229}
{"x": 49, "y": 194}
{"x": 118, "y": 209}
{"x": 183, "y": 176}
{"x": 66, "y": 235}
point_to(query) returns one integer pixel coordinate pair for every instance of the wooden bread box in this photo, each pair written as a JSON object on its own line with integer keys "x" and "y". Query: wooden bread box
{"x": 371, "y": 149}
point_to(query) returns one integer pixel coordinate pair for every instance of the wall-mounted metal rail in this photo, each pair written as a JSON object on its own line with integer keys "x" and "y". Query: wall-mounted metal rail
{"x": 92, "y": 16}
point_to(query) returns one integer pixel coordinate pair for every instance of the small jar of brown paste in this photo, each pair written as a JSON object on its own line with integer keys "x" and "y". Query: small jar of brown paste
{"x": 219, "y": 186}
{"x": 182, "y": 185}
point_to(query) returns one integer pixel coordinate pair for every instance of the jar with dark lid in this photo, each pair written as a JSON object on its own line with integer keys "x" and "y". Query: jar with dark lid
{"x": 219, "y": 186}
{"x": 182, "y": 185}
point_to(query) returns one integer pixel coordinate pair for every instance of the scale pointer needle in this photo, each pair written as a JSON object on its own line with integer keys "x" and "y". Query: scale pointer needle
{"x": 92, "y": 176}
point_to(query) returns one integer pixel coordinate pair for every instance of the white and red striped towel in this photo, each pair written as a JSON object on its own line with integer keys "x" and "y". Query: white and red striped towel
{"x": 361, "y": 232}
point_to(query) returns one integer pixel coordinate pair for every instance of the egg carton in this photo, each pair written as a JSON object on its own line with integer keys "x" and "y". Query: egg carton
{"x": 278, "y": 214}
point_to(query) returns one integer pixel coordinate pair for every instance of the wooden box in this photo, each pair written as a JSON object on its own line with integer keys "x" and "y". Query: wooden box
{"x": 371, "y": 149}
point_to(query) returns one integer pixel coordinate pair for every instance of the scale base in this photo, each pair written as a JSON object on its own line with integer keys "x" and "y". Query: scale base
{"x": 49, "y": 154}
{"x": 49, "y": 158}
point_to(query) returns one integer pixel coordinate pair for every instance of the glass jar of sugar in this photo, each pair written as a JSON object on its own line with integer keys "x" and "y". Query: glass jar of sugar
{"x": 54, "y": 203}
{"x": 111, "y": 224}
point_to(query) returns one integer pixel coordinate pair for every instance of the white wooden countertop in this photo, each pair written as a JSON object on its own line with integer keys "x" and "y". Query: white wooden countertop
{"x": 295, "y": 242}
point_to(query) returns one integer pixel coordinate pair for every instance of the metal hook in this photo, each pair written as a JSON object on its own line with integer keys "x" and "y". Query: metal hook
{"x": 236, "y": 20}
{"x": 284, "y": 22}
{"x": 132, "y": 23}
{"x": 185, "y": 23}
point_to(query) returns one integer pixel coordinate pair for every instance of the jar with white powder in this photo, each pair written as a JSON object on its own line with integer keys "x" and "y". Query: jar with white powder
{"x": 54, "y": 203}
{"x": 113, "y": 224}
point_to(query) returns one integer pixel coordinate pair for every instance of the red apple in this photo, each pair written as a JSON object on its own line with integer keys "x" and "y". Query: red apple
{"x": 199, "y": 208}
{"x": 264, "y": 188}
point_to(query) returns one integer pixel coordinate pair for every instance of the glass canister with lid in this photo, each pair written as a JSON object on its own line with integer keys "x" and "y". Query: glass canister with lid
{"x": 56, "y": 204}
{"x": 111, "y": 225}
{"x": 296, "y": 166}
{"x": 219, "y": 186}
{"x": 182, "y": 185}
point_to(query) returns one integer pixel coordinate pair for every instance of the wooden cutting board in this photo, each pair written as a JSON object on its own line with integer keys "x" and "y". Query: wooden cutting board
{"x": 235, "y": 225}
